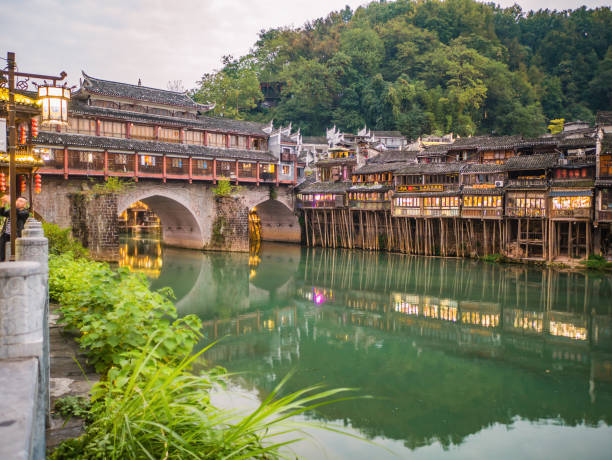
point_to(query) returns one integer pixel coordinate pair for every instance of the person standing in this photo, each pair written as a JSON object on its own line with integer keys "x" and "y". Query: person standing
{"x": 22, "y": 215}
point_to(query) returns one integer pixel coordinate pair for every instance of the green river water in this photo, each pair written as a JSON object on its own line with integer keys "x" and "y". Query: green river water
{"x": 465, "y": 359}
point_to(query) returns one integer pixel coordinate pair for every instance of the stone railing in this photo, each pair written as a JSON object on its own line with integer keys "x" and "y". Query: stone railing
{"x": 24, "y": 347}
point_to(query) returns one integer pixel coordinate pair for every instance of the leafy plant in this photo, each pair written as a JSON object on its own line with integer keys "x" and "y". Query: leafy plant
{"x": 112, "y": 185}
{"x": 595, "y": 262}
{"x": 225, "y": 189}
{"x": 116, "y": 311}
{"x": 73, "y": 406}
{"x": 61, "y": 241}
{"x": 150, "y": 409}
{"x": 497, "y": 258}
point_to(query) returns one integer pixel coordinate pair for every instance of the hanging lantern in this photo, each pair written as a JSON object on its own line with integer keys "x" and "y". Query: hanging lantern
{"x": 22, "y": 135}
{"x": 37, "y": 183}
{"x": 34, "y": 128}
{"x": 54, "y": 104}
{"x": 2, "y": 182}
{"x": 22, "y": 184}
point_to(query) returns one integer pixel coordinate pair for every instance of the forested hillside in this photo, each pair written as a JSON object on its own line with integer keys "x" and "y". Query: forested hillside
{"x": 425, "y": 66}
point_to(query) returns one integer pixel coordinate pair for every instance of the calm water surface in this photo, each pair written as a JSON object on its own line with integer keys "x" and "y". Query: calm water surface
{"x": 466, "y": 359}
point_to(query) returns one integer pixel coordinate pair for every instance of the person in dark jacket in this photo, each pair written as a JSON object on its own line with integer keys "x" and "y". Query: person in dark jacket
{"x": 22, "y": 215}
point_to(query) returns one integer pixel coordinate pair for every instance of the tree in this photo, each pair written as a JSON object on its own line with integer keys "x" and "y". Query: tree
{"x": 556, "y": 126}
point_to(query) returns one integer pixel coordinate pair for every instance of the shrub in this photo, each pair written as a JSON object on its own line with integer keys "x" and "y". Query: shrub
{"x": 596, "y": 262}
{"x": 61, "y": 241}
{"x": 225, "y": 189}
{"x": 115, "y": 311}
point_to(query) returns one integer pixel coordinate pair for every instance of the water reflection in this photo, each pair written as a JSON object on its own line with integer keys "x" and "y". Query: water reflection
{"x": 453, "y": 346}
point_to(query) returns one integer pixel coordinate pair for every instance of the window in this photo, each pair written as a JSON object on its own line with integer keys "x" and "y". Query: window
{"x": 194, "y": 137}
{"x": 177, "y": 162}
{"x": 258, "y": 144}
{"x": 169, "y": 134}
{"x": 147, "y": 160}
{"x": 86, "y": 157}
{"x": 571, "y": 202}
{"x": 112, "y": 129}
{"x": 286, "y": 170}
{"x": 605, "y": 165}
{"x": 237, "y": 142}
{"x": 142, "y": 132}
{"x": 121, "y": 159}
{"x": 216, "y": 139}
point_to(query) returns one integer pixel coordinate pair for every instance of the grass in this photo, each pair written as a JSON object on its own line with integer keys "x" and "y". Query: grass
{"x": 595, "y": 262}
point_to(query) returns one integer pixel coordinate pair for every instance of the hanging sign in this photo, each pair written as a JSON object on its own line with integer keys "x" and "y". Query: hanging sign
{"x": 420, "y": 188}
{"x": 3, "y": 134}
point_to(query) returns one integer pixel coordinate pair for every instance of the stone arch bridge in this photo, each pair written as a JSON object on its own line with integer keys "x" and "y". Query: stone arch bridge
{"x": 190, "y": 215}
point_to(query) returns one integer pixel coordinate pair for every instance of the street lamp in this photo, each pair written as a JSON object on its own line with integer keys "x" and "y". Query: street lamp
{"x": 54, "y": 104}
{"x": 11, "y": 73}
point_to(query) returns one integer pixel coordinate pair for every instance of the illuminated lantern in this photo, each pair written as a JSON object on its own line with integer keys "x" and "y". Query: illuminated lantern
{"x": 22, "y": 136}
{"x": 2, "y": 182}
{"x": 34, "y": 127}
{"x": 37, "y": 183}
{"x": 54, "y": 104}
{"x": 22, "y": 184}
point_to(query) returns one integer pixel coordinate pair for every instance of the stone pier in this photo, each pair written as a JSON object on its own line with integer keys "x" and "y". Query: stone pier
{"x": 24, "y": 348}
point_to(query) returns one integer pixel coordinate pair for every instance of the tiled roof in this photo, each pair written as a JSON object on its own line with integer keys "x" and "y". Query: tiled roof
{"x": 606, "y": 144}
{"x": 392, "y": 156}
{"x": 539, "y": 142}
{"x": 577, "y": 142}
{"x": 370, "y": 188}
{"x": 483, "y": 168}
{"x": 603, "y": 118}
{"x": 379, "y": 167}
{"x": 431, "y": 168}
{"x": 111, "y": 143}
{"x": 486, "y": 143}
{"x": 435, "y": 150}
{"x": 137, "y": 92}
{"x": 203, "y": 122}
{"x": 314, "y": 140}
{"x": 326, "y": 187}
{"x": 387, "y": 134}
{"x": 537, "y": 161}
{"x": 603, "y": 183}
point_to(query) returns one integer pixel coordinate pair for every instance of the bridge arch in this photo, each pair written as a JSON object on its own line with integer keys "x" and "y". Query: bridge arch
{"x": 277, "y": 221}
{"x": 181, "y": 227}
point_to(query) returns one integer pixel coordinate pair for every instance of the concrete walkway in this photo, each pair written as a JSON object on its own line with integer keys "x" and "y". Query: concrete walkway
{"x": 67, "y": 378}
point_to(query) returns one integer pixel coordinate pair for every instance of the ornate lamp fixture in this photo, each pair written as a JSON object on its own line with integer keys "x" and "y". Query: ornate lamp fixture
{"x": 54, "y": 104}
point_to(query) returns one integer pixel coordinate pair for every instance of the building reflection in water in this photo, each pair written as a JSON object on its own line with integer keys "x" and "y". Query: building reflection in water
{"x": 141, "y": 255}
{"x": 450, "y": 346}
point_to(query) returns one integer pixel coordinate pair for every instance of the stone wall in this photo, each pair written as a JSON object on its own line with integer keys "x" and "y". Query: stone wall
{"x": 230, "y": 227}
{"x": 94, "y": 223}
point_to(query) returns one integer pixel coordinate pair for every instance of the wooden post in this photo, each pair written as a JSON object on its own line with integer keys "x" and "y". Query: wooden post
{"x": 588, "y": 239}
{"x": 237, "y": 172}
{"x": 257, "y": 172}
{"x": 190, "y": 170}
{"x": 136, "y": 167}
{"x": 214, "y": 170}
{"x": 105, "y": 164}
{"x": 164, "y": 168}
{"x": 65, "y": 162}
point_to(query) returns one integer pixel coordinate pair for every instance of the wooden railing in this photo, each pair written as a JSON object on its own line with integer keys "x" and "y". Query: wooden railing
{"x": 526, "y": 212}
{"x": 485, "y": 213}
{"x": 407, "y": 212}
{"x": 604, "y": 216}
{"x": 370, "y": 205}
{"x": 579, "y": 213}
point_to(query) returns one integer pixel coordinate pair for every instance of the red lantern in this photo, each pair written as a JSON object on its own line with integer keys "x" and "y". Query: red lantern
{"x": 22, "y": 184}
{"x": 34, "y": 127}
{"x": 22, "y": 134}
{"x": 37, "y": 183}
{"x": 2, "y": 182}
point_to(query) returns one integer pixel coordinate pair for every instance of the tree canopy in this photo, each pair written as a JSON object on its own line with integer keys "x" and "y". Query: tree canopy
{"x": 425, "y": 66}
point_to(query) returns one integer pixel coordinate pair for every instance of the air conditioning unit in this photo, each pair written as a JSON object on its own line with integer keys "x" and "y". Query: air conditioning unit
{"x": 499, "y": 183}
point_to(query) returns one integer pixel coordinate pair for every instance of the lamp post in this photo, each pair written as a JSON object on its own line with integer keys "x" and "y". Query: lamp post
{"x": 12, "y": 130}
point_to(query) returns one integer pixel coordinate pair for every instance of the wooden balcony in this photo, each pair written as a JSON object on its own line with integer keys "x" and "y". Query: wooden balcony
{"x": 370, "y": 205}
{"x": 527, "y": 183}
{"x": 604, "y": 216}
{"x": 407, "y": 212}
{"x": 578, "y": 213}
{"x": 482, "y": 213}
{"x": 526, "y": 212}
{"x": 441, "y": 212}
{"x": 321, "y": 204}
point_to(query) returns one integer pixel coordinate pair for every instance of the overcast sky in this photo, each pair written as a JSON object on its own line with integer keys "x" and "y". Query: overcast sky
{"x": 157, "y": 40}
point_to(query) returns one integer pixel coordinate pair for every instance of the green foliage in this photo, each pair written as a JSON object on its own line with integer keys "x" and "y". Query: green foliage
{"x": 428, "y": 67}
{"x": 496, "y": 258}
{"x": 61, "y": 241}
{"x": 595, "y": 262}
{"x": 150, "y": 409}
{"x": 112, "y": 185}
{"x": 73, "y": 406}
{"x": 225, "y": 189}
{"x": 116, "y": 312}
